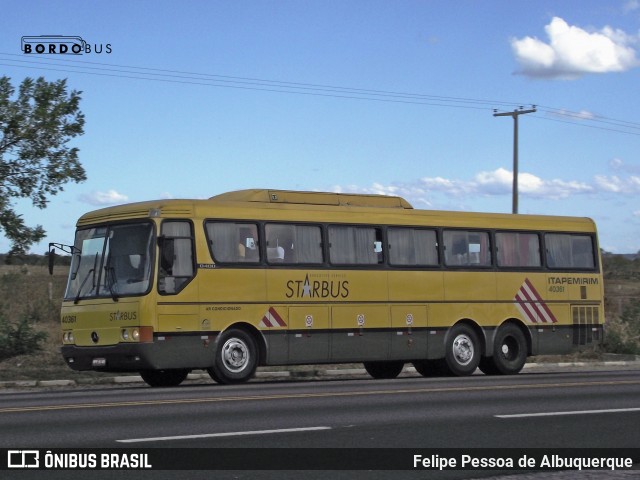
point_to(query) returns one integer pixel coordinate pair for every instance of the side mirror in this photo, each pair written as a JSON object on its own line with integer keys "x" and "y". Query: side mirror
{"x": 52, "y": 258}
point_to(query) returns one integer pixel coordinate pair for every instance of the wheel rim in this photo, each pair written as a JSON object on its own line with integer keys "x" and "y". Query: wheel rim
{"x": 235, "y": 355}
{"x": 463, "y": 349}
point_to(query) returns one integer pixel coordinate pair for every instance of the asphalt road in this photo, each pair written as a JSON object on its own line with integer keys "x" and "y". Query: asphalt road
{"x": 531, "y": 410}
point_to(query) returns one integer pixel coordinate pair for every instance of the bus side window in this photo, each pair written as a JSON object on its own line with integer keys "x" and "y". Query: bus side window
{"x": 176, "y": 257}
{"x": 467, "y": 248}
{"x": 233, "y": 242}
{"x": 354, "y": 245}
{"x": 566, "y": 250}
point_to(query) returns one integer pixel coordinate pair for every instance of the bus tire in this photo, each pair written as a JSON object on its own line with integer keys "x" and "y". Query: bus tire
{"x": 430, "y": 368}
{"x": 382, "y": 370}
{"x": 487, "y": 366}
{"x": 509, "y": 350}
{"x": 164, "y": 378}
{"x": 236, "y": 357}
{"x": 462, "y": 350}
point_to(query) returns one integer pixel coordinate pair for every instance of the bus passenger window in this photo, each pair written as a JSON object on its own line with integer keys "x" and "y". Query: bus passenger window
{"x": 569, "y": 251}
{"x": 293, "y": 244}
{"x": 518, "y": 249}
{"x": 355, "y": 245}
{"x": 467, "y": 248}
{"x": 176, "y": 257}
{"x": 412, "y": 247}
{"x": 233, "y": 242}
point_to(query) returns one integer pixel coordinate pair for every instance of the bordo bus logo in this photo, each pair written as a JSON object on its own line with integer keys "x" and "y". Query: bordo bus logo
{"x": 61, "y": 45}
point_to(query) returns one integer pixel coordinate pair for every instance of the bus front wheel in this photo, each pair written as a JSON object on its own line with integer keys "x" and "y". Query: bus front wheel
{"x": 430, "y": 368}
{"x": 164, "y": 378}
{"x": 381, "y": 370}
{"x": 236, "y": 358}
{"x": 462, "y": 350}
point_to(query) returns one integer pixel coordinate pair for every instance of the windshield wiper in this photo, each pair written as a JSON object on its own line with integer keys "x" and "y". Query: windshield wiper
{"x": 110, "y": 279}
{"x": 93, "y": 270}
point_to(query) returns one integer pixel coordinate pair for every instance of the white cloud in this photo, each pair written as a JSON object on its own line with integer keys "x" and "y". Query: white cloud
{"x": 615, "y": 184}
{"x": 620, "y": 165}
{"x": 581, "y": 115}
{"x": 428, "y": 191}
{"x": 573, "y": 51}
{"x": 110, "y": 197}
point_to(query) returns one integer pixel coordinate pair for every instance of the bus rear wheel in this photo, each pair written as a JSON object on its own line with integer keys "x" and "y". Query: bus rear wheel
{"x": 236, "y": 357}
{"x": 509, "y": 350}
{"x": 164, "y": 378}
{"x": 462, "y": 351}
{"x": 382, "y": 370}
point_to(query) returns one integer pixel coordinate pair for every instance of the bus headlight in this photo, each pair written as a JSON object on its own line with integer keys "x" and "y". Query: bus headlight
{"x": 67, "y": 337}
{"x": 135, "y": 334}
{"x": 125, "y": 335}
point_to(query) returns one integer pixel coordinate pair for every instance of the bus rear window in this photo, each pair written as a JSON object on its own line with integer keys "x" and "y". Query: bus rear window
{"x": 566, "y": 250}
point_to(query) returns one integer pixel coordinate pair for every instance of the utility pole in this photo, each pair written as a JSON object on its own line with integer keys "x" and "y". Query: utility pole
{"x": 515, "y": 114}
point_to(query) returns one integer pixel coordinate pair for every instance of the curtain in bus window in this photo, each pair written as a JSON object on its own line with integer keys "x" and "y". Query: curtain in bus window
{"x": 467, "y": 248}
{"x": 365, "y": 239}
{"x": 224, "y": 241}
{"x": 183, "y": 258}
{"x": 569, "y": 251}
{"x": 353, "y": 245}
{"x": 233, "y": 242}
{"x": 518, "y": 249}
{"x": 583, "y": 251}
{"x": 308, "y": 244}
{"x": 176, "y": 257}
{"x": 343, "y": 248}
{"x": 558, "y": 250}
{"x": 409, "y": 246}
{"x": 294, "y": 244}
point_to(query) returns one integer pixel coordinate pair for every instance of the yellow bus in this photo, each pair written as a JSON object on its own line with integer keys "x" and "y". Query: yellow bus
{"x": 268, "y": 277}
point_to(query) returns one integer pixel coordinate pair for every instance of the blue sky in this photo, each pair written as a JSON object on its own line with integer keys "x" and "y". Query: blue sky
{"x": 396, "y": 97}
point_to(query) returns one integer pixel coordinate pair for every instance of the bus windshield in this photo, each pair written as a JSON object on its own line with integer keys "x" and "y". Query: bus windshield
{"x": 111, "y": 261}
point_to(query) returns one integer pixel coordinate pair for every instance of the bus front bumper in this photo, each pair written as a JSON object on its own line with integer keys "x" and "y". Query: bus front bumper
{"x": 134, "y": 357}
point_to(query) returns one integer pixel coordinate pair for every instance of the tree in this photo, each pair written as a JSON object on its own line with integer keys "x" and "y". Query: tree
{"x": 35, "y": 161}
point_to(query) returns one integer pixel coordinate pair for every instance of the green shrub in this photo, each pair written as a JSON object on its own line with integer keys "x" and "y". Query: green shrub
{"x": 623, "y": 334}
{"x": 19, "y": 338}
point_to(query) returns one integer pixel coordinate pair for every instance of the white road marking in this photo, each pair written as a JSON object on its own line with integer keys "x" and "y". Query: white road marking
{"x": 225, "y": 434}
{"x": 575, "y": 412}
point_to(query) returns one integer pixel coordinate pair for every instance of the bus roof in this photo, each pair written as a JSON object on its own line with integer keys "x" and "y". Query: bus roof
{"x": 313, "y": 198}
{"x": 327, "y": 207}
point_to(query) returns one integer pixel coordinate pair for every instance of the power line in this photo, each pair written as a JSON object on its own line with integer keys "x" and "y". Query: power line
{"x": 84, "y": 67}
{"x": 247, "y": 83}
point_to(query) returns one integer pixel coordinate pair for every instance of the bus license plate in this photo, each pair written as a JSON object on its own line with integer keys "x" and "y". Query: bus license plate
{"x": 99, "y": 362}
